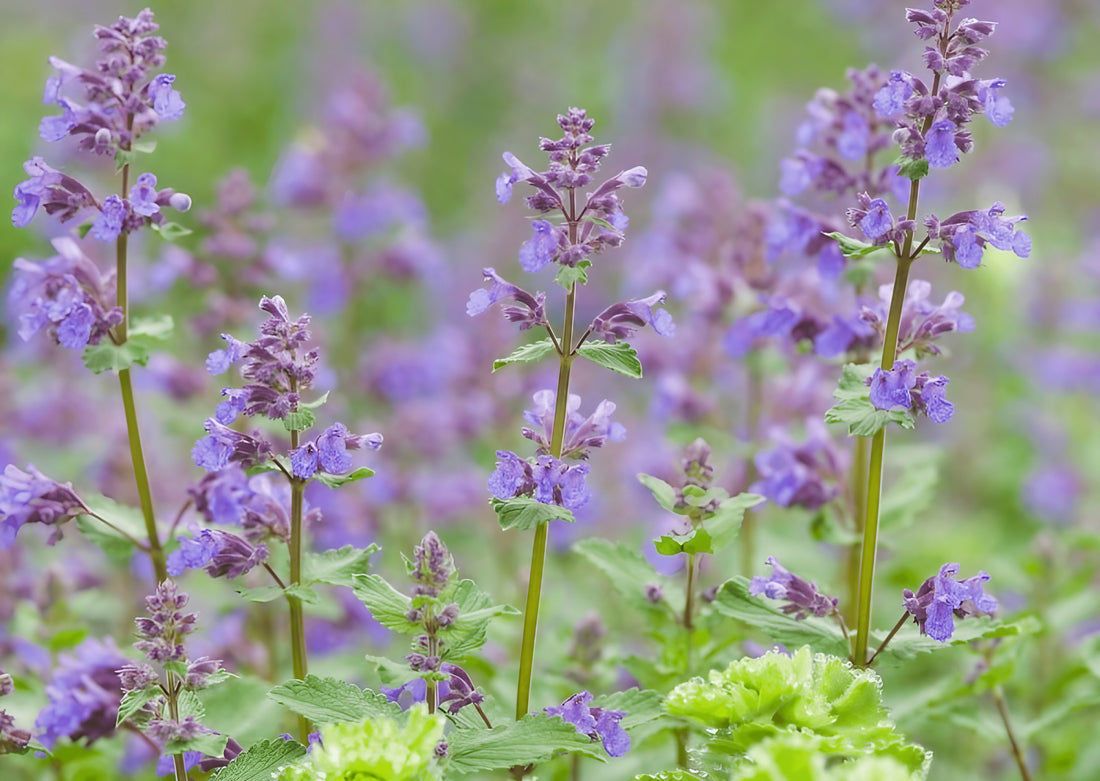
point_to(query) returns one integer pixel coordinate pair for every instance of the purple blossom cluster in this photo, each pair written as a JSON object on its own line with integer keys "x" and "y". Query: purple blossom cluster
{"x": 31, "y": 497}
{"x": 602, "y": 724}
{"x": 806, "y": 474}
{"x": 941, "y": 599}
{"x": 581, "y": 433}
{"x": 258, "y": 503}
{"x": 802, "y": 597}
{"x": 12, "y": 738}
{"x": 84, "y": 695}
{"x": 904, "y": 388}
{"x": 220, "y": 553}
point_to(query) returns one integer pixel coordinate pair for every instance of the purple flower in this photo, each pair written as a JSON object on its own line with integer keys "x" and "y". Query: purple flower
{"x": 940, "y": 147}
{"x": 31, "y": 497}
{"x": 221, "y": 554}
{"x": 329, "y": 451}
{"x": 997, "y": 107}
{"x": 57, "y": 193}
{"x": 108, "y": 225}
{"x": 143, "y": 195}
{"x": 163, "y": 631}
{"x": 539, "y": 250}
{"x": 84, "y": 694}
{"x": 620, "y": 321}
{"x": 891, "y": 98}
{"x": 878, "y": 219}
{"x": 219, "y": 361}
{"x": 802, "y": 596}
{"x": 549, "y": 480}
{"x": 851, "y": 144}
{"x": 941, "y": 599}
{"x": 799, "y": 474}
{"x": 530, "y": 312}
{"x": 460, "y": 690}
{"x": 890, "y": 389}
{"x": 933, "y": 398}
{"x": 433, "y": 565}
{"x": 512, "y": 477}
{"x": 581, "y": 433}
{"x": 597, "y": 723}
{"x": 223, "y": 446}
{"x": 166, "y": 101}
{"x": 221, "y": 495}
{"x": 778, "y": 320}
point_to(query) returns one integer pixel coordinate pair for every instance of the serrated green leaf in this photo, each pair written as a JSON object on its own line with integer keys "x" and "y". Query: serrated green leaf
{"x": 630, "y": 574}
{"x": 525, "y": 353}
{"x": 533, "y": 739}
{"x": 853, "y": 248}
{"x": 475, "y": 610}
{"x": 211, "y": 745}
{"x": 386, "y": 604}
{"x": 336, "y": 481}
{"x": 619, "y": 357}
{"x": 911, "y": 493}
{"x": 912, "y": 169}
{"x": 316, "y": 403}
{"x": 695, "y": 541}
{"x": 330, "y": 700}
{"x": 904, "y": 648}
{"x": 854, "y": 408}
{"x": 525, "y": 512}
{"x": 110, "y": 357}
{"x": 261, "y": 760}
{"x": 337, "y": 567}
{"x": 567, "y": 276}
{"x": 640, "y": 705}
{"x": 133, "y": 701}
{"x": 725, "y": 523}
{"x": 270, "y": 593}
{"x": 664, "y": 493}
{"x": 300, "y": 420}
{"x": 159, "y": 327}
{"x": 733, "y": 599}
{"x": 123, "y": 517}
{"x": 171, "y": 231}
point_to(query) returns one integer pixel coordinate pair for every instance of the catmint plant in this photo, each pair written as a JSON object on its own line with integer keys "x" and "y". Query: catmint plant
{"x": 107, "y": 110}
{"x": 581, "y": 224}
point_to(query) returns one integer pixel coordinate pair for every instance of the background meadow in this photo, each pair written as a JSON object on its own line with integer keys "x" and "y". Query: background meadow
{"x": 707, "y": 96}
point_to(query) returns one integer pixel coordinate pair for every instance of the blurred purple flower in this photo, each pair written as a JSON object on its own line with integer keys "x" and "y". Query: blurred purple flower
{"x": 84, "y": 694}
{"x": 31, "y": 497}
{"x": 941, "y": 599}
{"x": 601, "y": 724}
{"x": 801, "y": 596}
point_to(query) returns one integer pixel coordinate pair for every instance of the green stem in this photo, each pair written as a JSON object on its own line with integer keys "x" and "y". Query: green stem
{"x": 538, "y": 548}
{"x": 173, "y": 710}
{"x": 859, "y": 512}
{"x": 137, "y": 456}
{"x": 878, "y": 443}
{"x": 297, "y": 619}
{"x": 882, "y": 646}
{"x": 1017, "y": 754}
{"x": 748, "y": 524}
{"x": 689, "y": 610}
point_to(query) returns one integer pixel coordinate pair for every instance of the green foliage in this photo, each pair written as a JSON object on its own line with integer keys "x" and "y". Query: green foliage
{"x": 567, "y": 276}
{"x": 716, "y": 516}
{"x": 123, "y": 517}
{"x": 797, "y": 756}
{"x": 211, "y": 745}
{"x": 134, "y": 701}
{"x": 904, "y": 647}
{"x": 734, "y": 600}
{"x": 397, "y": 748}
{"x": 299, "y": 420}
{"x": 142, "y": 338}
{"x": 261, "y": 760}
{"x": 386, "y": 604}
{"x": 853, "y": 248}
{"x": 912, "y": 169}
{"x": 854, "y": 408}
{"x": 337, "y": 567}
{"x": 171, "y": 231}
{"x": 619, "y": 357}
{"x": 824, "y": 702}
{"x": 125, "y": 157}
{"x": 525, "y": 353}
{"x": 525, "y": 512}
{"x": 328, "y": 700}
{"x": 912, "y": 492}
{"x": 629, "y": 574}
{"x": 533, "y": 739}
{"x": 336, "y": 481}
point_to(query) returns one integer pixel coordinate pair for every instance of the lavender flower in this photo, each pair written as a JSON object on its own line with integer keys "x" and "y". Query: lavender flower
{"x": 802, "y": 596}
{"x": 620, "y": 321}
{"x": 221, "y": 554}
{"x": 84, "y": 695}
{"x": 329, "y": 451}
{"x": 800, "y": 474}
{"x": 530, "y": 312}
{"x": 941, "y": 599}
{"x": 432, "y": 567}
{"x": 581, "y": 433}
{"x": 963, "y": 236}
{"x": 59, "y": 194}
{"x": 223, "y": 446}
{"x": 903, "y": 388}
{"x": 549, "y": 480}
{"x": 601, "y": 724}
{"x": 922, "y": 322}
{"x": 162, "y": 632}
{"x": 12, "y": 738}
{"x": 31, "y": 497}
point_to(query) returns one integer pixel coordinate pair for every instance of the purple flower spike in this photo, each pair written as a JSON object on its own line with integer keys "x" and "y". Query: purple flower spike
{"x": 597, "y": 723}
{"x": 581, "y": 433}
{"x": 802, "y": 596}
{"x": 540, "y": 248}
{"x": 890, "y": 100}
{"x": 433, "y": 565}
{"x": 890, "y": 389}
{"x": 31, "y": 497}
{"x": 941, "y": 599}
{"x": 532, "y": 309}
{"x": 512, "y": 477}
{"x": 933, "y": 399}
{"x": 84, "y": 694}
{"x": 620, "y": 321}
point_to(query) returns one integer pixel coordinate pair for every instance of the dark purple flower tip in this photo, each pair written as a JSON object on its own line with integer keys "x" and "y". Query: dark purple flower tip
{"x": 433, "y": 564}
{"x": 166, "y": 101}
{"x": 890, "y": 389}
{"x": 540, "y": 249}
{"x": 941, "y": 599}
{"x": 802, "y": 596}
{"x": 940, "y": 147}
{"x": 31, "y": 497}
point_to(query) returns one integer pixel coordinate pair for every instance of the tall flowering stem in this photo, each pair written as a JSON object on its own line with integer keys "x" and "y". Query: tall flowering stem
{"x": 294, "y": 604}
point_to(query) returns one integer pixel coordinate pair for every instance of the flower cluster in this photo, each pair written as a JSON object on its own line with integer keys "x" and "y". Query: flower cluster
{"x": 805, "y": 474}
{"x": 801, "y": 596}
{"x": 84, "y": 695}
{"x": 31, "y": 497}
{"x": 598, "y": 224}
{"x": 941, "y": 599}
{"x": 220, "y": 553}
{"x": 581, "y": 433}
{"x": 12, "y": 738}
{"x": 66, "y": 295}
{"x": 597, "y": 723}
{"x": 904, "y": 388}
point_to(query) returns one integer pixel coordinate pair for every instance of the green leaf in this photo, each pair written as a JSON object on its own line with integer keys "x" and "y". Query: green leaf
{"x": 724, "y": 525}
{"x": 211, "y": 745}
{"x": 260, "y": 761}
{"x": 855, "y": 409}
{"x": 904, "y": 648}
{"x": 316, "y": 403}
{"x": 133, "y": 701}
{"x": 528, "y": 352}
{"x": 525, "y": 512}
{"x": 171, "y": 231}
{"x": 123, "y": 517}
{"x": 912, "y": 492}
{"x": 533, "y": 739}
{"x": 629, "y": 574}
{"x": 695, "y": 541}
{"x": 270, "y": 593}
{"x": 337, "y": 567}
{"x": 642, "y": 706}
{"x": 386, "y": 604}
{"x": 664, "y": 493}
{"x": 143, "y": 334}
{"x": 567, "y": 276}
{"x": 475, "y": 610}
{"x": 329, "y": 700}
{"x": 336, "y": 481}
{"x": 912, "y": 169}
{"x": 299, "y": 421}
{"x": 67, "y": 638}
{"x": 853, "y": 248}
{"x": 619, "y": 357}
{"x": 733, "y": 599}
{"x": 601, "y": 222}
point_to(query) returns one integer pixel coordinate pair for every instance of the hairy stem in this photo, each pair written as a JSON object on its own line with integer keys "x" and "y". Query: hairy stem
{"x": 689, "y": 610}
{"x": 174, "y": 713}
{"x": 297, "y": 619}
{"x": 859, "y": 512}
{"x": 1017, "y": 754}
